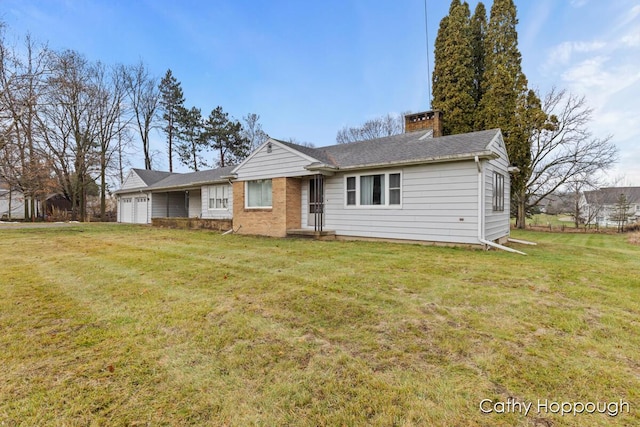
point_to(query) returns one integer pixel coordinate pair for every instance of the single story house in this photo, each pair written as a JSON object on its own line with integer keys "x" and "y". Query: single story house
{"x": 416, "y": 186}
{"x": 147, "y": 194}
{"x": 603, "y": 206}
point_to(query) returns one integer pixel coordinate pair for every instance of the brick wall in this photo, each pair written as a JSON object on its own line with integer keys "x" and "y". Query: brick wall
{"x": 192, "y": 223}
{"x": 284, "y": 214}
{"x": 425, "y": 120}
{"x": 294, "y": 203}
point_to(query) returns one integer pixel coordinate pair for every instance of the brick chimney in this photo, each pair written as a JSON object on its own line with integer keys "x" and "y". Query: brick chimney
{"x": 425, "y": 120}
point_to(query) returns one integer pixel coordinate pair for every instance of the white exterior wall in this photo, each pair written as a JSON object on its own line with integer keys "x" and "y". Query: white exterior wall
{"x": 439, "y": 204}
{"x": 135, "y": 214}
{"x": 16, "y": 202}
{"x": 496, "y": 224}
{"x": 167, "y": 205}
{"x": 195, "y": 204}
{"x": 216, "y": 213}
{"x": 280, "y": 162}
{"x": 133, "y": 181}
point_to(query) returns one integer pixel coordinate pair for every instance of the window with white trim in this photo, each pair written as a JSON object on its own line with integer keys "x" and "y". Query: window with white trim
{"x": 258, "y": 193}
{"x": 498, "y": 192}
{"x": 218, "y": 197}
{"x": 384, "y": 189}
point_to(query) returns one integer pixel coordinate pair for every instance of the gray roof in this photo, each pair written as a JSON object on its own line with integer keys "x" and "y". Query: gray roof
{"x": 160, "y": 180}
{"x": 611, "y": 195}
{"x": 151, "y": 177}
{"x": 192, "y": 178}
{"x": 403, "y": 148}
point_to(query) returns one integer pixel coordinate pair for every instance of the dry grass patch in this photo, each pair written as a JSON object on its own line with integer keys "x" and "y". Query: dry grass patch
{"x": 634, "y": 238}
{"x": 122, "y": 325}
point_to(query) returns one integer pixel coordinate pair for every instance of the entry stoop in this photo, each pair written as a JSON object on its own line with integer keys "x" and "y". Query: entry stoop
{"x": 312, "y": 234}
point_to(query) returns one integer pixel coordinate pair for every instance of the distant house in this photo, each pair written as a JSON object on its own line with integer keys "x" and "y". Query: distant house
{"x": 602, "y": 206}
{"x": 11, "y": 203}
{"x": 411, "y": 187}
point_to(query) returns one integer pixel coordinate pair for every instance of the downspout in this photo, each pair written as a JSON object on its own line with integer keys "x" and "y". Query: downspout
{"x": 481, "y": 238}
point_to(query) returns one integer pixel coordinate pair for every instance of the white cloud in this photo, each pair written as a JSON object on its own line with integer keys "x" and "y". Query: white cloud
{"x": 578, "y": 3}
{"x": 631, "y": 39}
{"x": 563, "y": 53}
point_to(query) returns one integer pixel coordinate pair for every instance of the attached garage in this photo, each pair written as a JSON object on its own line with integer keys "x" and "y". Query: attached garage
{"x": 148, "y": 194}
{"x": 140, "y": 209}
{"x": 126, "y": 209}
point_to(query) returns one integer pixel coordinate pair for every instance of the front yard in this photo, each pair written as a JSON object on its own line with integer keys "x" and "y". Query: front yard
{"x": 126, "y": 325}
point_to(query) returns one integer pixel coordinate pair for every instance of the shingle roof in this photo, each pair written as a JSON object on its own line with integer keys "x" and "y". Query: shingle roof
{"x": 405, "y": 147}
{"x": 611, "y": 195}
{"x": 192, "y": 178}
{"x": 150, "y": 176}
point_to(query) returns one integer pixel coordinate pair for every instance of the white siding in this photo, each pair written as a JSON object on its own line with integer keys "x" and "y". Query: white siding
{"x": 135, "y": 211}
{"x": 141, "y": 209}
{"x": 16, "y": 202}
{"x": 169, "y": 205}
{"x": 280, "y": 162}
{"x": 496, "y": 223}
{"x": 439, "y": 203}
{"x": 195, "y": 204}
{"x": 217, "y": 213}
{"x": 133, "y": 181}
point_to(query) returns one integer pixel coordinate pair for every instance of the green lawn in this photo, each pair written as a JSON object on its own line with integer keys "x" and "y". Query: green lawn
{"x": 126, "y": 325}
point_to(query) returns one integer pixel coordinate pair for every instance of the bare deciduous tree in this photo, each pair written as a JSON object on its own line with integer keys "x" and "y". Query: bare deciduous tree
{"x": 388, "y": 125}
{"x": 144, "y": 96}
{"x": 68, "y": 124}
{"x": 252, "y": 130}
{"x": 563, "y": 151}
{"x": 21, "y": 82}
{"x": 110, "y": 92}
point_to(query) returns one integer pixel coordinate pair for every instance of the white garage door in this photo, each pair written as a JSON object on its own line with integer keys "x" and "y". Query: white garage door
{"x": 140, "y": 210}
{"x": 126, "y": 209}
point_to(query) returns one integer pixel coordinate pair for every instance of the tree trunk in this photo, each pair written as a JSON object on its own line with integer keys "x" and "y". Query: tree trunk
{"x": 521, "y": 216}
{"x": 103, "y": 184}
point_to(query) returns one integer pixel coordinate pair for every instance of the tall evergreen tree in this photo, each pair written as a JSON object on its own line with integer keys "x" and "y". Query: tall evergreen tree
{"x": 478, "y": 30}
{"x": 506, "y": 102}
{"x": 453, "y": 77}
{"x": 189, "y": 135}
{"x": 225, "y": 136}
{"x": 171, "y": 104}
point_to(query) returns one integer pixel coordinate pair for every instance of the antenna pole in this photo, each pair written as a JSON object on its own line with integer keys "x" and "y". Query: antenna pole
{"x": 426, "y": 33}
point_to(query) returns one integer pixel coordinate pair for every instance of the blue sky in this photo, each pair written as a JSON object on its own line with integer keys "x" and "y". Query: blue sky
{"x": 310, "y": 68}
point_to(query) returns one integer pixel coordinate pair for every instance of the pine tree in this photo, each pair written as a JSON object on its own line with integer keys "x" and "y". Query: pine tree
{"x": 171, "y": 104}
{"x": 453, "y": 78}
{"x": 188, "y": 132}
{"x": 506, "y": 103}
{"x": 225, "y": 136}
{"x": 478, "y": 30}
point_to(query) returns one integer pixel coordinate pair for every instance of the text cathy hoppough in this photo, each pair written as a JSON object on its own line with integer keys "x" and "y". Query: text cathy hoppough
{"x": 512, "y": 406}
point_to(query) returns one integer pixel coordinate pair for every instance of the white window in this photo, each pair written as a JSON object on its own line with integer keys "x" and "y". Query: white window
{"x": 384, "y": 189}
{"x": 218, "y": 197}
{"x": 258, "y": 194}
{"x": 126, "y": 200}
{"x": 498, "y": 192}
{"x": 351, "y": 191}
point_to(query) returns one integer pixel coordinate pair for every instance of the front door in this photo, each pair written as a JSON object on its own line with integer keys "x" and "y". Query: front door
{"x": 316, "y": 202}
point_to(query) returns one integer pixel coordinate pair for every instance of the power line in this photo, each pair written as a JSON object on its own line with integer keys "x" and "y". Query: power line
{"x": 426, "y": 33}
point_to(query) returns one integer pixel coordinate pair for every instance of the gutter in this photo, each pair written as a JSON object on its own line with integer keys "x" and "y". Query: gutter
{"x": 481, "y": 238}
